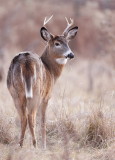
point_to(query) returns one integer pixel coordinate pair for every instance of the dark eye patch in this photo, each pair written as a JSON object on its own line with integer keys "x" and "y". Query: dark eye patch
{"x": 57, "y": 44}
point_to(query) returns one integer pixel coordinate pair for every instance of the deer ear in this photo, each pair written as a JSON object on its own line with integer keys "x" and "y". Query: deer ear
{"x": 72, "y": 33}
{"x": 45, "y": 34}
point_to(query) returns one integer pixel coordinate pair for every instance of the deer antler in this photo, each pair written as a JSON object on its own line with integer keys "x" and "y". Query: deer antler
{"x": 68, "y": 25}
{"x": 47, "y": 20}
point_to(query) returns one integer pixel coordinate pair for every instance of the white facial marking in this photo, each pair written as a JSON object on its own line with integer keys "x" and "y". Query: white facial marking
{"x": 61, "y": 60}
{"x": 66, "y": 53}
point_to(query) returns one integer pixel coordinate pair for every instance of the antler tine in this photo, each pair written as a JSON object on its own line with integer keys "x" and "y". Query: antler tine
{"x": 67, "y": 20}
{"x": 71, "y": 23}
{"x": 47, "y": 20}
{"x": 68, "y": 25}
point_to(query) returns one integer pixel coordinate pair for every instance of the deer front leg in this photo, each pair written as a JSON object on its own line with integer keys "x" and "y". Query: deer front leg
{"x": 43, "y": 123}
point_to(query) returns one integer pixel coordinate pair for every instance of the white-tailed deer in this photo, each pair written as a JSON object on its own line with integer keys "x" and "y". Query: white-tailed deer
{"x": 31, "y": 78}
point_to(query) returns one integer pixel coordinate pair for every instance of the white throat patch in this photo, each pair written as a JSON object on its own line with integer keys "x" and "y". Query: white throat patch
{"x": 61, "y": 60}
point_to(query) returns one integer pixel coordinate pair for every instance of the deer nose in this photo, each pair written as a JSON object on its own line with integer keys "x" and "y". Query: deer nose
{"x": 70, "y": 55}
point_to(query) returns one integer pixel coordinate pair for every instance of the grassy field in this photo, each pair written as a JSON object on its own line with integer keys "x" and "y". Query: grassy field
{"x": 80, "y": 117}
{"x": 81, "y": 112}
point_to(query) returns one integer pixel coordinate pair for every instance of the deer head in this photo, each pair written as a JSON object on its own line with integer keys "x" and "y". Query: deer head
{"x": 58, "y": 45}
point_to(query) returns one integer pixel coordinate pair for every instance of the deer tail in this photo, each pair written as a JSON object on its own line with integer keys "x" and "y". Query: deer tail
{"x": 28, "y": 79}
{"x": 28, "y": 87}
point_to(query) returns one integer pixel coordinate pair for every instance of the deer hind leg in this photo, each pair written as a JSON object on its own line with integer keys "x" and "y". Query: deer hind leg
{"x": 21, "y": 108}
{"x": 23, "y": 127}
{"x": 32, "y": 105}
{"x": 43, "y": 123}
{"x": 31, "y": 121}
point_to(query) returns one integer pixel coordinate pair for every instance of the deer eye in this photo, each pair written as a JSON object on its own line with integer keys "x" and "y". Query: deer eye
{"x": 57, "y": 44}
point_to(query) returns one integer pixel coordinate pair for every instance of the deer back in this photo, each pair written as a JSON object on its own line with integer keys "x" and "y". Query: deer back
{"x": 26, "y": 71}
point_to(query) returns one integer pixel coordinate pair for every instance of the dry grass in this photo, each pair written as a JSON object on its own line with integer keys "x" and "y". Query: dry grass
{"x": 81, "y": 113}
{"x": 80, "y": 124}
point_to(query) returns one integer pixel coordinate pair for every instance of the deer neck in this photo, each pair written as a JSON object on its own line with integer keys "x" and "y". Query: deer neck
{"x": 51, "y": 65}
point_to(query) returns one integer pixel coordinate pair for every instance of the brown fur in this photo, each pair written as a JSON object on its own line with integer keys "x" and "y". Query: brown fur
{"x": 47, "y": 73}
{"x": 31, "y": 79}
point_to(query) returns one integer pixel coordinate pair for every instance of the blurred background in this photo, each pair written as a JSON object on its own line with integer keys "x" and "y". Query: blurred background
{"x": 81, "y": 112}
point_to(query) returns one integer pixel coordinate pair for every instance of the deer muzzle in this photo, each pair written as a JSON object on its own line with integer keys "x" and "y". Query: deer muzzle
{"x": 70, "y": 55}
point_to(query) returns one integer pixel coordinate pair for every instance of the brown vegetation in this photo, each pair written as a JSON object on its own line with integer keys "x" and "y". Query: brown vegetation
{"x": 81, "y": 113}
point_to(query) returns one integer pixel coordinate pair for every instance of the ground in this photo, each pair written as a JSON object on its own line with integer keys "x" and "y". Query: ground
{"x": 80, "y": 117}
